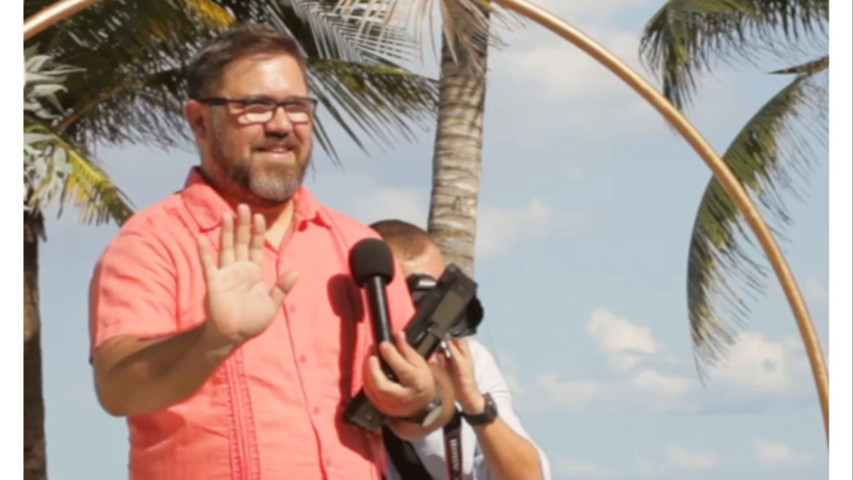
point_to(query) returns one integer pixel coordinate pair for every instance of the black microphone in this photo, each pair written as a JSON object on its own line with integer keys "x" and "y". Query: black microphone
{"x": 373, "y": 267}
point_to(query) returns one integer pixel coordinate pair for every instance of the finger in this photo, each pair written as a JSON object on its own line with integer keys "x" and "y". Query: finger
{"x": 241, "y": 242}
{"x": 441, "y": 360}
{"x": 259, "y": 228}
{"x": 283, "y": 285}
{"x": 226, "y": 240}
{"x": 205, "y": 254}
{"x": 455, "y": 355}
{"x": 409, "y": 353}
{"x": 380, "y": 382}
{"x": 415, "y": 375}
{"x": 464, "y": 346}
{"x": 459, "y": 349}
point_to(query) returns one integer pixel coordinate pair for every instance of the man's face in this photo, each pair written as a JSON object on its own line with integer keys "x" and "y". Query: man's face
{"x": 257, "y": 162}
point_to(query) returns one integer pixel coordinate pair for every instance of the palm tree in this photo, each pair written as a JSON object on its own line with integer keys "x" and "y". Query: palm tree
{"x": 55, "y": 170}
{"x": 125, "y": 85}
{"x": 457, "y": 155}
{"x": 685, "y": 40}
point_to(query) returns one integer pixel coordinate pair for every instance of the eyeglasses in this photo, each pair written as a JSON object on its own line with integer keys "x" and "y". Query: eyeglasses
{"x": 262, "y": 109}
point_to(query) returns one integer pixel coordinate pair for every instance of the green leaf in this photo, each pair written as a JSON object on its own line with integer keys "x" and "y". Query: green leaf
{"x": 775, "y": 142}
{"x": 686, "y": 38}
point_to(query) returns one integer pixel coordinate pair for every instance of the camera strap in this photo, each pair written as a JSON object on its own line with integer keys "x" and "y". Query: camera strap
{"x": 453, "y": 446}
{"x": 409, "y": 464}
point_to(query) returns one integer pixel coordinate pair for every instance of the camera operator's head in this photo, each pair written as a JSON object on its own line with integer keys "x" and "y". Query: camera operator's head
{"x": 412, "y": 247}
{"x": 423, "y": 265}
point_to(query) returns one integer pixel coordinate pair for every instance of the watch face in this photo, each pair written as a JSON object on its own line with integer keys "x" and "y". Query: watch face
{"x": 431, "y": 416}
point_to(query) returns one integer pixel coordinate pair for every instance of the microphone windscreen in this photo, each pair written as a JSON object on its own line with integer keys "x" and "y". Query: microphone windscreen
{"x": 371, "y": 257}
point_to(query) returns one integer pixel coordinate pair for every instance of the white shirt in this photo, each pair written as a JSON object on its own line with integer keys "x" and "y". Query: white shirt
{"x": 430, "y": 449}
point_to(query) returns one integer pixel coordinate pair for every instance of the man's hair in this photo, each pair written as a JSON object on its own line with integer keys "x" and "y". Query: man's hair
{"x": 406, "y": 240}
{"x": 205, "y": 70}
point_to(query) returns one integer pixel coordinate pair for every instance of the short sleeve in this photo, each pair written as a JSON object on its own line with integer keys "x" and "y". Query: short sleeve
{"x": 133, "y": 289}
{"x": 490, "y": 380}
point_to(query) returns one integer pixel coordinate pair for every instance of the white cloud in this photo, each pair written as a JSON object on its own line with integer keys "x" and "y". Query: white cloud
{"x": 661, "y": 392}
{"x": 624, "y": 343}
{"x": 680, "y": 457}
{"x": 754, "y": 363}
{"x": 814, "y": 290}
{"x": 498, "y": 230}
{"x": 566, "y": 73}
{"x": 649, "y": 467}
{"x": 774, "y": 453}
{"x": 572, "y": 468}
{"x": 670, "y": 385}
{"x": 578, "y": 11}
{"x": 388, "y": 202}
{"x": 569, "y": 393}
{"x": 365, "y": 198}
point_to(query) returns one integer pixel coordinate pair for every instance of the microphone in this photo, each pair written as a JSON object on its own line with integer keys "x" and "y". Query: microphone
{"x": 373, "y": 267}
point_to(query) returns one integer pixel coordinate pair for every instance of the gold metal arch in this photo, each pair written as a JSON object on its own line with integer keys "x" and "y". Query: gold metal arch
{"x": 52, "y": 14}
{"x": 721, "y": 171}
{"x": 65, "y": 8}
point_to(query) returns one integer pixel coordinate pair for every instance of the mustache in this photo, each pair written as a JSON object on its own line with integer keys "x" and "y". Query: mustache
{"x": 268, "y": 143}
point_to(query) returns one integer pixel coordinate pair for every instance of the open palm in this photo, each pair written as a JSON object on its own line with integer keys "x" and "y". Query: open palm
{"x": 239, "y": 303}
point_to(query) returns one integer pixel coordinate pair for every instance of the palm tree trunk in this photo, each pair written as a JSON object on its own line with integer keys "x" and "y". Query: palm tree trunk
{"x": 35, "y": 460}
{"x": 457, "y": 160}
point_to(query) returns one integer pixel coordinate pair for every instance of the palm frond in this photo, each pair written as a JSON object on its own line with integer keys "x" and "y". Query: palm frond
{"x": 383, "y": 100}
{"x": 132, "y": 90}
{"x": 70, "y": 177}
{"x": 467, "y": 25}
{"x": 684, "y": 38}
{"x": 767, "y": 156}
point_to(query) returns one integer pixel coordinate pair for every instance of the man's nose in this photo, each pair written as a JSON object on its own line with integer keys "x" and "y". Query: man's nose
{"x": 280, "y": 122}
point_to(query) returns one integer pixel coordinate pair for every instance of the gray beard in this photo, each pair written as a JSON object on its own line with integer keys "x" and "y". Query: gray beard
{"x": 274, "y": 187}
{"x": 270, "y": 187}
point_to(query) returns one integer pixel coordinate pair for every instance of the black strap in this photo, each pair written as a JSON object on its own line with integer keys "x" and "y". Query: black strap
{"x": 453, "y": 446}
{"x": 406, "y": 459}
{"x": 403, "y": 454}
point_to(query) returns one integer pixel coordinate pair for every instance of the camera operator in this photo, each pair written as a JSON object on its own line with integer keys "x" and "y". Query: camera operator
{"x": 494, "y": 444}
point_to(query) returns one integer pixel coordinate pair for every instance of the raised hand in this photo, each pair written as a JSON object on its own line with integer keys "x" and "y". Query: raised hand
{"x": 239, "y": 304}
{"x": 416, "y": 387}
{"x": 460, "y": 366}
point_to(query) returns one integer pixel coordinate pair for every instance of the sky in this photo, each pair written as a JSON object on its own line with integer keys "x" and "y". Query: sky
{"x": 587, "y": 205}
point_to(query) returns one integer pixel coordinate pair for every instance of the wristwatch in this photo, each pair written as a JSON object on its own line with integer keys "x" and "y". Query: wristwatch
{"x": 428, "y": 415}
{"x": 490, "y": 413}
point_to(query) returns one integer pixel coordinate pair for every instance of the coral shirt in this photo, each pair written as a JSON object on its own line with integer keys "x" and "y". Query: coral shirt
{"x": 272, "y": 410}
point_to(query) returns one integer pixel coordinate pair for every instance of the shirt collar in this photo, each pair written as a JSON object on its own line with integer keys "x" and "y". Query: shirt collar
{"x": 207, "y": 205}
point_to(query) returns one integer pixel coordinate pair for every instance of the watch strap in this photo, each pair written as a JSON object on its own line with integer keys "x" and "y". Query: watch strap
{"x": 425, "y": 416}
{"x": 490, "y": 412}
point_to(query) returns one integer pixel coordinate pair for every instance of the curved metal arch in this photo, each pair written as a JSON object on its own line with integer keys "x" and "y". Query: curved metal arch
{"x": 721, "y": 171}
{"x": 52, "y": 14}
{"x": 65, "y": 8}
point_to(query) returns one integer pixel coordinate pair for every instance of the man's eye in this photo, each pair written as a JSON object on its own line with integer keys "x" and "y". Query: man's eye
{"x": 297, "y": 106}
{"x": 258, "y": 106}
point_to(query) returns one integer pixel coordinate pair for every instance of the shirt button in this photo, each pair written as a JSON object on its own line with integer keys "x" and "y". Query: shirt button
{"x": 316, "y": 410}
{"x": 302, "y": 358}
{"x": 328, "y": 461}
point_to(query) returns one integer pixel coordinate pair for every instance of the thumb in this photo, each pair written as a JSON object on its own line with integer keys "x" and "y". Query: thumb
{"x": 283, "y": 285}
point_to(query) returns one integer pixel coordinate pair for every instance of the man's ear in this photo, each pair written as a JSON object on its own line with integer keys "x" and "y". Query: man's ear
{"x": 194, "y": 111}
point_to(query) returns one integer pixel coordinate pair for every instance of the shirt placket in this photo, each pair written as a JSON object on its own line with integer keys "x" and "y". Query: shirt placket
{"x": 301, "y": 358}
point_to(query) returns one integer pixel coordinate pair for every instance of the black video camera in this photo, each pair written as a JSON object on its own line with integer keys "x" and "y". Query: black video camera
{"x": 445, "y": 308}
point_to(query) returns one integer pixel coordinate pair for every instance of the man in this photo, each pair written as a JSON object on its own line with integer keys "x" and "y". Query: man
{"x": 232, "y": 341}
{"x": 494, "y": 444}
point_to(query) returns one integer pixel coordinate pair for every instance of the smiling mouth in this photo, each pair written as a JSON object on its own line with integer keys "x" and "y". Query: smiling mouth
{"x": 281, "y": 150}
